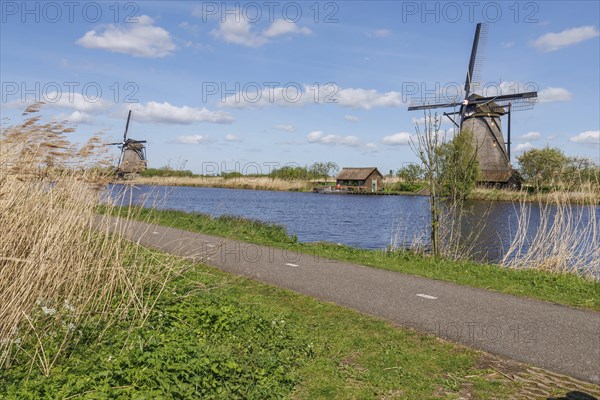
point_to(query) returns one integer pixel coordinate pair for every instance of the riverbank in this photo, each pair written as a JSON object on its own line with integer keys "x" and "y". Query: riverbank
{"x": 562, "y": 288}
{"x": 587, "y": 196}
{"x": 214, "y": 335}
{"x": 251, "y": 183}
{"x": 257, "y": 183}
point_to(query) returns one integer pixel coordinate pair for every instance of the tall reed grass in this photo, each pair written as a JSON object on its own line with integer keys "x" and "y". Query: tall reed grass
{"x": 241, "y": 182}
{"x": 563, "y": 237}
{"x": 62, "y": 270}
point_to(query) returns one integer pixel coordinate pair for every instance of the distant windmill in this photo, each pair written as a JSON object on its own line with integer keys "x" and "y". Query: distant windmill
{"x": 481, "y": 115}
{"x": 133, "y": 153}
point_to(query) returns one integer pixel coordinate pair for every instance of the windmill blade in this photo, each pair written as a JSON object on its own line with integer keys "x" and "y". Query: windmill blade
{"x": 432, "y": 106}
{"x": 114, "y": 144}
{"x": 448, "y": 115}
{"x": 127, "y": 126}
{"x": 476, "y": 60}
{"x": 469, "y": 82}
{"x": 518, "y": 101}
{"x": 502, "y": 97}
{"x": 476, "y": 77}
{"x": 137, "y": 141}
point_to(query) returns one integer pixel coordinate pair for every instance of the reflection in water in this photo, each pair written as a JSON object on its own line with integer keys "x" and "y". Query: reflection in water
{"x": 371, "y": 222}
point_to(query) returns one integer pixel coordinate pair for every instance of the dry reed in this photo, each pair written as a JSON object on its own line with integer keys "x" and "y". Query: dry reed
{"x": 587, "y": 194}
{"x": 61, "y": 267}
{"x": 565, "y": 237}
{"x": 243, "y": 182}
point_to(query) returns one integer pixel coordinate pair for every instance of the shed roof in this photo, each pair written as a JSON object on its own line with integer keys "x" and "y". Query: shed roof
{"x": 356, "y": 174}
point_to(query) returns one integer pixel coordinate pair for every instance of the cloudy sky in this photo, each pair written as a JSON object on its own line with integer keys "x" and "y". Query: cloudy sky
{"x": 244, "y": 86}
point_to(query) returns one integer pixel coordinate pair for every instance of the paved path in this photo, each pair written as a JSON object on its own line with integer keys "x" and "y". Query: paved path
{"x": 555, "y": 337}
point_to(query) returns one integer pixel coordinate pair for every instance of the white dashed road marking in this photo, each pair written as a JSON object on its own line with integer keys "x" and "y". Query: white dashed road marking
{"x": 291, "y": 265}
{"x": 426, "y": 296}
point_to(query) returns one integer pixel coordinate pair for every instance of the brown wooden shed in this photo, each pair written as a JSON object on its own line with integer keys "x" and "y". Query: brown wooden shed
{"x": 360, "y": 179}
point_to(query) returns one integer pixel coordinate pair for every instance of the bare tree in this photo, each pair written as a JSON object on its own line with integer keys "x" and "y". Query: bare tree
{"x": 451, "y": 171}
{"x": 426, "y": 148}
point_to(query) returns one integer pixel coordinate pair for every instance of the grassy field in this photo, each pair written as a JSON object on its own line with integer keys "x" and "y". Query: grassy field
{"x": 213, "y": 335}
{"x": 562, "y": 288}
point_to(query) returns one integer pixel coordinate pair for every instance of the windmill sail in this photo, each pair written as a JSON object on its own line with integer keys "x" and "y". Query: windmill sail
{"x": 481, "y": 116}
{"x": 133, "y": 153}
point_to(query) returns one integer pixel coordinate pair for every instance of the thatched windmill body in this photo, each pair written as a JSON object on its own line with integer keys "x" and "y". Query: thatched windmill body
{"x": 481, "y": 116}
{"x": 133, "y": 153}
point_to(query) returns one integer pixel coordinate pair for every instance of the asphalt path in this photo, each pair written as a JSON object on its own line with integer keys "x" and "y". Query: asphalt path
{"x": 547, "y": 335}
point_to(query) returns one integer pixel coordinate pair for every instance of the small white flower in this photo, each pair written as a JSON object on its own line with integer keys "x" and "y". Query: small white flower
{"x": 68, "y": 306}
{"x": 49, "y": 310}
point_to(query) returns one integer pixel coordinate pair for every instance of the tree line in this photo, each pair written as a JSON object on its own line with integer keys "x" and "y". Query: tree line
{"x": 541, "y": 169}
{"x": 315, "y": 171}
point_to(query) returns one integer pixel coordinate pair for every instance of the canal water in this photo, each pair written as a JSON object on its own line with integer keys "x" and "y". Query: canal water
{"x": 370, "y": 222}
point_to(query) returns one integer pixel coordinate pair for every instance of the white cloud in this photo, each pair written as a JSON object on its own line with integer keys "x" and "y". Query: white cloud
{"x": 397, "y": 139}
{"x": 591, "y": 137}
{"x": 285, "y": 127}
{"x": 507, "y": 45}
{"x": 235, "y": 28}
{"x": 351, "y": 118}
{"x": 317, "y": 137}
{"x": 522, "y": 147}
{"x": 141, "y": 39}
{"x": 78, "y": 117}
{"x": 75, "y": 101}
{"x": 281, "y": 27}
{"x": 299, "y": 95}
{"x": 555, "y": 41}
{"x": 167, "y": 113}
{"x": 232, "y": 138}
{"x": 380, "y": 33}
{"x": 552, "y": 94}
{"x": 193, "y": 139}
{"x": 368, "y": 98}
{"x": 371, "y": 147}
{"x": 530, "y": 136}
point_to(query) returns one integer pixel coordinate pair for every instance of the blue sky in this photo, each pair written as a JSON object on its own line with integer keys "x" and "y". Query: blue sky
{"x": 248, "y": 86}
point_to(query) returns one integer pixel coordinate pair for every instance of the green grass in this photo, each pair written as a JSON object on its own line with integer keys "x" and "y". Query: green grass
{"x": 213, "y": 335}
{"x": 567, "y": 289}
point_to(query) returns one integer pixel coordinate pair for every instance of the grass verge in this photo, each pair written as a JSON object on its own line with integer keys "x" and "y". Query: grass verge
{"x": 562, "y": 288}
{"x": 213, "y": 335}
